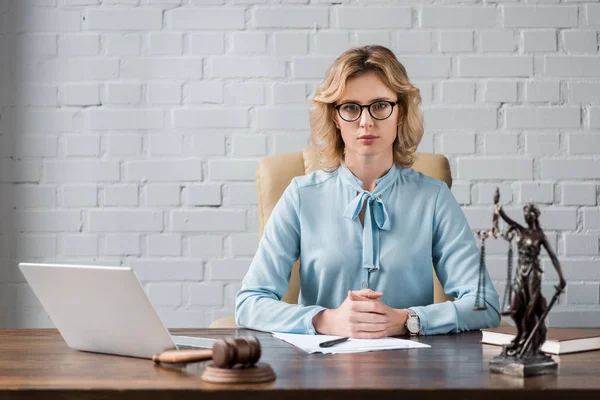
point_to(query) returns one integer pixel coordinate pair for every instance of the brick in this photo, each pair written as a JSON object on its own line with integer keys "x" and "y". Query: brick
{"x": 28, "y": 94}
{"x": 458, "y": 92}
{"x": 164, "y": 93}
{"x": 539, "y": 16}
{"x": 280, "y": 118}
{"x": 286, "y": 17}
{"x": 581, "y": 244}
{"x": 80, "y": 196}
{"x": 494, "y": 168}
{"x": 47, "y": 221}
{"x": 206, "y": 294}
{"x": 248, "y": 145}
{"x": 33, "y": 246}
{"x": 206, "y": 92}
{"x": 123, "y": 20}
{"x": 413, "y": 42}
{"x": 241, "y": 194}
{"x": 37, "y": 20}
{"x": 462, "y": 192}
{"x": 311, "y": 67}
{"x": 124, "y": 221}
{"x": 125, "y": 119}
{"x": 287, "y": 93}
{"x": 119, "y": 44}
{"x": 364, "y": 38}
{"x": 35, "y": 146}
{"x": 579, "y": 194}
{"x": 536, "y": 192}
{"x": 124, "y": 145}
{"x": 27, "y": 196}
{"x": 572, "y": 66}
{"x": 122, "y": 245}
{"x": 249, "y": 42}
{"x": 573, "y": 270}
{"x": 458, "y": 17}
{"x": 427, "y": 66}
{"x": 81, "y": 94}
{"x": 37, "y": 121}
{"x": 584, "y": 92}
{"x": 497, "y": 41}
{"x": 204, "y": 195}
{"x": 164, "y": 245}
{"x": 168, "y": 270}
{"x": 592, "y": 14}
{"x": 33, "y": 44}
{"x": 594, "y": 116}
{"x": 542, "y": 144}
{"x": 211, "y": 118}
{"x": 206, "y": 144}
{"x": 543, "y": 117}
{"x": 166, "y": 44}
{"x": 232, "y": 170}
{"x": 290, "y": 143}
{"x": 19, "y": 171}
{"x": 207, "y": 43}
{"x": 161, "y": 68}
{"x": 485, "y": 193}
{"x": 333, "y": 43}
{"x": 246, "y": 67}
{"x": 241, "y": 93}
{"x": 580, "y": 41}
{"x": 570, "y": 169}
{"x": 80, "y": 245}
{"x": 82, "y": 145}
{"x": 166, "y": 145}
{"x": 456, "y": 41}
{"x": 123, "y": 93}
{"x": 580, "y": 143}
{"x": 539, "y": 41}
{"x": 79, "y": 45}
{"x": 591, "y": 219}
{"x": 168, "y": 170}
{"x": 228, "y": 269}
{"x": 460, "y": 118}
{"x": 495, "y": 66}
{"x": 81, "y": 171}
{"x": 559, "y": 218}
{"x": 121, "y": 195}
{"x": 542, "y": 92}
{"x": 162, "y": 195}
{"x": 582, "y": 293}
{"x": 169, "y": 294}
{"x": 206, "y": 246}
{"x": 458, "y": 143}
{"x": 184, "y": 19}
{"x": 244, "y": 244}
{"x": 208, "y": 221}
{"x": 501, "y": 143}
{"x": 500, "y": 91}
{"x": 290, "y": 43}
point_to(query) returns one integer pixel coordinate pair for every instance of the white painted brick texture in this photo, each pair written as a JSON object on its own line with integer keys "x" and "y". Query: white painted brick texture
{"x": 130, "y": 130}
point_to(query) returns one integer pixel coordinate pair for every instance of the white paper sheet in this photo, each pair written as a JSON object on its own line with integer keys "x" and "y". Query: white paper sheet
{"x": 310, "y": 343}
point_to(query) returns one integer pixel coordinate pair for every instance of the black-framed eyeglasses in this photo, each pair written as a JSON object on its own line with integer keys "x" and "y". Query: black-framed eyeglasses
{"x": 379, "y": 110}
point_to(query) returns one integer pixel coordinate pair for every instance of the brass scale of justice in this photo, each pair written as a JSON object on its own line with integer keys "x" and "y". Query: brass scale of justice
{"x": 235, "y": 360}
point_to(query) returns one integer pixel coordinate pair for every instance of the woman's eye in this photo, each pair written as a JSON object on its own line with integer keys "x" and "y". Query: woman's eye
{"x": 381, "y": 106}
{"x": 350, "y": 107}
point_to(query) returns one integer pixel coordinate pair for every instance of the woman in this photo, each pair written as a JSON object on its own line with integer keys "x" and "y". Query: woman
{"x": 528, "y": 305}
{"x": 367, "y": 227}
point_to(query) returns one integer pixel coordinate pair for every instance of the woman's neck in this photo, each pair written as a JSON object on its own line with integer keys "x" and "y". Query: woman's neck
{"x": 368, "y": 169}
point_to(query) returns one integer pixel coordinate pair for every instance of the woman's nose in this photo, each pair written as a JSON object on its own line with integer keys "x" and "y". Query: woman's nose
{"x": 365, "y": 118}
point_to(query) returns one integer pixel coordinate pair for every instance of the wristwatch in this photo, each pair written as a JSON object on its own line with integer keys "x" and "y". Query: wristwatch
{"x": 413, "y": 324}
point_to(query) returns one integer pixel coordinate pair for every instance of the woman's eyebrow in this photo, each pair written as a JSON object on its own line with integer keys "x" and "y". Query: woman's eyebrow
{"x": 356, "y": 101}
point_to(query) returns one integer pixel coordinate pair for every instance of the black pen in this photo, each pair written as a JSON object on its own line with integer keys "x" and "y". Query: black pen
{"x": 330, "y": 343}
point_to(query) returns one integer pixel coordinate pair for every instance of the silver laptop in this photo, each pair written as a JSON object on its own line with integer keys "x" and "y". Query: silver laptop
{"x": 103, "y": 310}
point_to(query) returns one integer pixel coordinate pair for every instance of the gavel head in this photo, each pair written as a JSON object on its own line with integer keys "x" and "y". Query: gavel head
{"x": 231, "y": 351}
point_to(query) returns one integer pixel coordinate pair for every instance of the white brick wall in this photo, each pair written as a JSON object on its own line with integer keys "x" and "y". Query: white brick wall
{"x": 130, "y": 130}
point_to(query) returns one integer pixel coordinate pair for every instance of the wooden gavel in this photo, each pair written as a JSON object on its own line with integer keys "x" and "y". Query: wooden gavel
{"x": 225, "y": 353}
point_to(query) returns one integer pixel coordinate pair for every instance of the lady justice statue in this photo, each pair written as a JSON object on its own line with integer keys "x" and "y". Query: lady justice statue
{"x": 528, "y": 307}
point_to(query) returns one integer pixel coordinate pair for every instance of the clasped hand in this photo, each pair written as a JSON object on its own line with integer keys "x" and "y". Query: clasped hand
{"x": 362, "y": 315}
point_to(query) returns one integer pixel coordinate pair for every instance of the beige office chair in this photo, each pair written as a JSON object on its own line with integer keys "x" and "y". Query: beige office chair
{"x": 274, "y": 174}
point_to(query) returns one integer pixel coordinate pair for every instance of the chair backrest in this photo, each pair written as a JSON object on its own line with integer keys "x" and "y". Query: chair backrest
{"x": 274, "y": 174}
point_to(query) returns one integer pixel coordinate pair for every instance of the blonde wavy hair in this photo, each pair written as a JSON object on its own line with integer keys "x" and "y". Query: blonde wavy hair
{"x": 352, "y": 63}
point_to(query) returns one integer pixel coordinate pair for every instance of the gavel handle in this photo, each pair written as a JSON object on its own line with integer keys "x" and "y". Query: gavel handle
{"x": 182, "y": 356}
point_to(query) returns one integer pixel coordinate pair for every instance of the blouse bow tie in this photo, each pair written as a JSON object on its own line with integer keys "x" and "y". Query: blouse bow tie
{"x": 375, "y": 216}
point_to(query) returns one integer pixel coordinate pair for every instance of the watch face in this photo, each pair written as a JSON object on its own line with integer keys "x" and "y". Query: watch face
{"x": 413, "y": 325}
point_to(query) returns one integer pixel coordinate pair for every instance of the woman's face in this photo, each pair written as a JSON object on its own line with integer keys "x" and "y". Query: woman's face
{"x": 368, "y": 136}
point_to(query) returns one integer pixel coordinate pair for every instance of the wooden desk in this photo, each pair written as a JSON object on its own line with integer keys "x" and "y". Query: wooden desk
{"x": 37, "y": 364}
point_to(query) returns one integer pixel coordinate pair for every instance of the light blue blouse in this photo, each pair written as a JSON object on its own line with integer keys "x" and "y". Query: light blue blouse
{"x": 410, "y": 219}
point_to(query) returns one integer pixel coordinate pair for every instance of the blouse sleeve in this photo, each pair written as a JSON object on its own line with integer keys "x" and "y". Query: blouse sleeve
{"x": 258, "y": 303}
{"x": 456, "y": 262}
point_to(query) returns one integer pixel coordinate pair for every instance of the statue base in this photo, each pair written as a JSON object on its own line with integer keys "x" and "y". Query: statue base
{"x": 524, "y": 367}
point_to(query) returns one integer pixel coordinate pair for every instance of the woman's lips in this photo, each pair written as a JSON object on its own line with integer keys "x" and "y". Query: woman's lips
{"x": 367, "y": 139}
